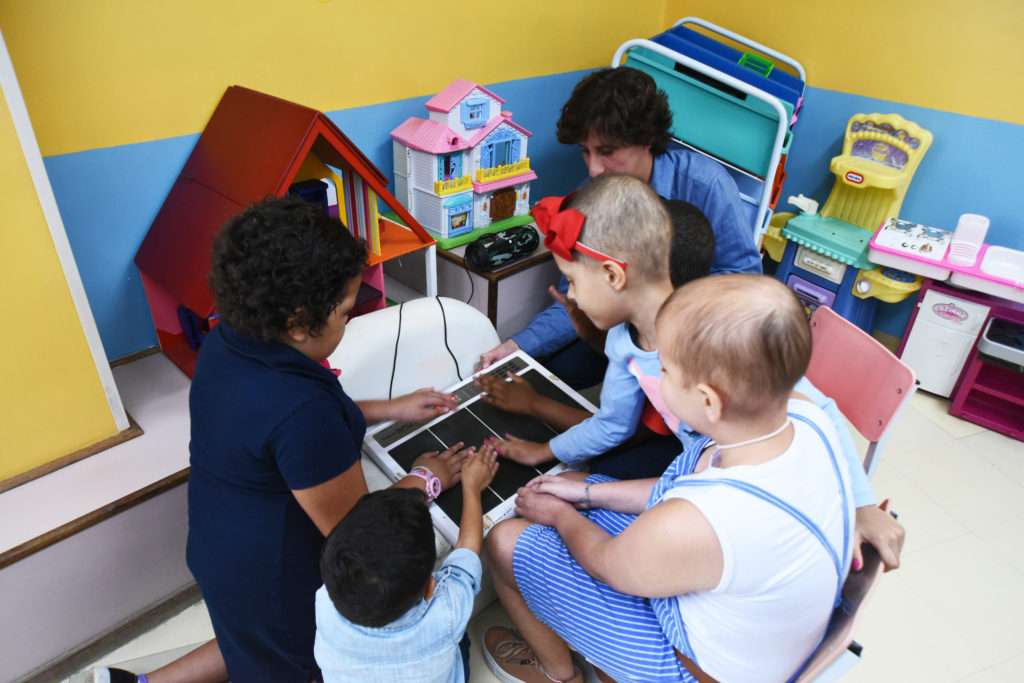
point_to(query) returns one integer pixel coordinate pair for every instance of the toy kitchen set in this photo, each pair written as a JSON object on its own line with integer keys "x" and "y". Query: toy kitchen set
{"x": 965, "y": 340}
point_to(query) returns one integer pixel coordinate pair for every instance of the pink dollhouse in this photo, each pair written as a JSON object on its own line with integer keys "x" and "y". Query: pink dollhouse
{"x": 466, "y": 166}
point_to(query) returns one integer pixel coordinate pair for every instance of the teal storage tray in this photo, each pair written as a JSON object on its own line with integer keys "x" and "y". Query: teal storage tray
{"x": 832, "y": 237}
{"x": 718, "y": 120}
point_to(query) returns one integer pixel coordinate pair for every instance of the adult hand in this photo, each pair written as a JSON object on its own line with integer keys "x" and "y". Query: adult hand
{"x": 479, "y": 469}
{"x": 421, "y": 405}
{"x": 876, "y": 526}
{"x": 505, "y": 348}
{"x": 515, "y": 396}
{"x": 522, "y": 451}
{"x": 446, "y": 465}
{"x": 570, "y": 490}
{"x": 540, "y": 508}
{"x": 584, "y": 326}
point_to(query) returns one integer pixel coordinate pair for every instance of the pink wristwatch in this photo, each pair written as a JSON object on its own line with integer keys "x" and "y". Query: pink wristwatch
{"x": 433, "y": 483}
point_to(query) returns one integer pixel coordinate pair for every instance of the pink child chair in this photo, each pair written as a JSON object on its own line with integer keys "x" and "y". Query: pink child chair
{"x": 870, "y": 385}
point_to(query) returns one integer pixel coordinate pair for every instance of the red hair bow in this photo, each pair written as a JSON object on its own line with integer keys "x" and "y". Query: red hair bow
{"x": 562, "y": 227}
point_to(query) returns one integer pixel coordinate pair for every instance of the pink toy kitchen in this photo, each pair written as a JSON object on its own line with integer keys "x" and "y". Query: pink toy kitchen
{"x": 965, "y": 340}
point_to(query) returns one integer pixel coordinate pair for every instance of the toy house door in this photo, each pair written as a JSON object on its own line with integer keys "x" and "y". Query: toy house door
{"x": 503, "y": 204}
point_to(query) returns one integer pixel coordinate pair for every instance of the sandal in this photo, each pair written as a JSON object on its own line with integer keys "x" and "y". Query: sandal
{"x": 511, "y": 659}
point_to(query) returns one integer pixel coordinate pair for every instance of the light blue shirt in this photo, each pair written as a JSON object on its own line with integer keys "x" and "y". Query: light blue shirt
{"x": 420, "y": 646}
{"x": 680, "y": 173}
{"x": 622, "y": 402}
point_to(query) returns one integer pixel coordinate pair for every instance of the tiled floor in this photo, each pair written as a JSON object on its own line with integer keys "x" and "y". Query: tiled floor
{"x": 952, "y": 612}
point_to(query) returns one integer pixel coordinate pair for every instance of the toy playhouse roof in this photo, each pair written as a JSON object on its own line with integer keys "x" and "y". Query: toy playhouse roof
{"x": 503, "y": 117}
{"x": 436, "y": 138}
{"x": 429, "y": 136}
{"x": 252, "y": 147}
{"x": 447, "y": 99}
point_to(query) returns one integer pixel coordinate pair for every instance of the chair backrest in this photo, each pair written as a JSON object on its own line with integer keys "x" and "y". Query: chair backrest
{"x": 868, "y": 383}
{"x": 857, "y": 589}
{"x": 414, "y": 343}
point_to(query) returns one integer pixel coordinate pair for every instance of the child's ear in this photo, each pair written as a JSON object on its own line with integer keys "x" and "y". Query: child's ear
{"x": 614, "y": 275}
{"x": 295, "y": 334}
{"x": 711, "y": 401}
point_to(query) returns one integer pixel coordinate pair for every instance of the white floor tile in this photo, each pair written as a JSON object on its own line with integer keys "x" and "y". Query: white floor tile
{"x": 1011, "y": 670}
{"x": 960, "y": 479}
{"x": 975, "y": 591}
{"x": 936, "y": 409}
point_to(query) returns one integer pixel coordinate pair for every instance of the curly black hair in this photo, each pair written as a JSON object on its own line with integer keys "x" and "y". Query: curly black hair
{"x": 623, "y": 106}
{"x": 282, "y": 263}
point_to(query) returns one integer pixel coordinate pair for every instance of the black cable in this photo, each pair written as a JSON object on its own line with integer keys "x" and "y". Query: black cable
{"x": 444, "y": 321}
{"x": 394, "y": 361}
{"x": 469, "y": 274}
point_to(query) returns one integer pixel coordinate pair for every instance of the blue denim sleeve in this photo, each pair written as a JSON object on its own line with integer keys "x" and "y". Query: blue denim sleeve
{"x": 549, "y": 330}
{"x": 622, "y": 401}
{"x": 734, "y": 235}
{"x": 684, "y": 174}
{"x": 862, "y": 493}
{"x": 458, "y": 581}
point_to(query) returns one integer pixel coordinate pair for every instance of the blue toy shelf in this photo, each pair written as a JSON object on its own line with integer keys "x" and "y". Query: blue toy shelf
{"x": 732, "y": 106}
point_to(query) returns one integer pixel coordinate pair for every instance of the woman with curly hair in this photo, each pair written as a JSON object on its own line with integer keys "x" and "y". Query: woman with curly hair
{"x": 276, "y": 441}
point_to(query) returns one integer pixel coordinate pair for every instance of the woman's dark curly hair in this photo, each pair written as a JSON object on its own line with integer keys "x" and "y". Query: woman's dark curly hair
{"x": 282, "y": 263}
{"x": 623, "y": 106}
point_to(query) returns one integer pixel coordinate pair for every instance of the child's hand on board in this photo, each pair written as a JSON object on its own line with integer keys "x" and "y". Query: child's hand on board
{"x": 515, "y": 396}
{"x": 479, "y": 468}
{"x": 521, "y": 451}
{"x": 446, "y": 465}
{"x": 421, "y": 405}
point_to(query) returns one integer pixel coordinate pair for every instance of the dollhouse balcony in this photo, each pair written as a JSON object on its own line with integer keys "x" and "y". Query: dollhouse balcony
{"x": 489, "y": 175}
{"x": 446, "y": 187}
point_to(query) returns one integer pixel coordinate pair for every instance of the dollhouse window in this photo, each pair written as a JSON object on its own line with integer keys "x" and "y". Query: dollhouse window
{"x": 449, "y": 166}
{"x": 474, "y": 112}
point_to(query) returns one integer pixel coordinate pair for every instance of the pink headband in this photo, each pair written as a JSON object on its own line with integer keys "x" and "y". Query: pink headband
{"x": 562, "y": 228}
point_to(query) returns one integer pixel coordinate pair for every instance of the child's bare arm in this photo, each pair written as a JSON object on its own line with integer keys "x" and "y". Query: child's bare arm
{"x": 669, "y": 549}
{"x": 524, "y": 452}
{"x": 517, "y": 396}
{"x": 477, "y": 472}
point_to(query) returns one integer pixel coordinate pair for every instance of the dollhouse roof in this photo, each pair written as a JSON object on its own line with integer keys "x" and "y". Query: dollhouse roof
{"x": 252, "y": 147}
{"x": 447, "y": 99}
{"x": 504, "y": 117}
{"x": 428, "y": 136}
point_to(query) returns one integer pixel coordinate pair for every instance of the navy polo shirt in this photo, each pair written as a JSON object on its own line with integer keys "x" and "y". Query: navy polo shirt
{"x": 266, "y": 420}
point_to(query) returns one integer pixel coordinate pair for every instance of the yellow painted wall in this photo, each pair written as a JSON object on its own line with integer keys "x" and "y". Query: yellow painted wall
{"x": 960, "y": 57}
{"x": 51, "y": 399}
{"x": 99, "y": 73}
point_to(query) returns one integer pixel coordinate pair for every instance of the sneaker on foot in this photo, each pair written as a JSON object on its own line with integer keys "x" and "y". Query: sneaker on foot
{"x": 102, "y": 674}
{"x": 511, "y": 659}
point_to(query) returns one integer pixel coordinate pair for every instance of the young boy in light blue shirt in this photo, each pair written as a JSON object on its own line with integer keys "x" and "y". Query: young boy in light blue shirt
{"x": 382, "y": 614}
